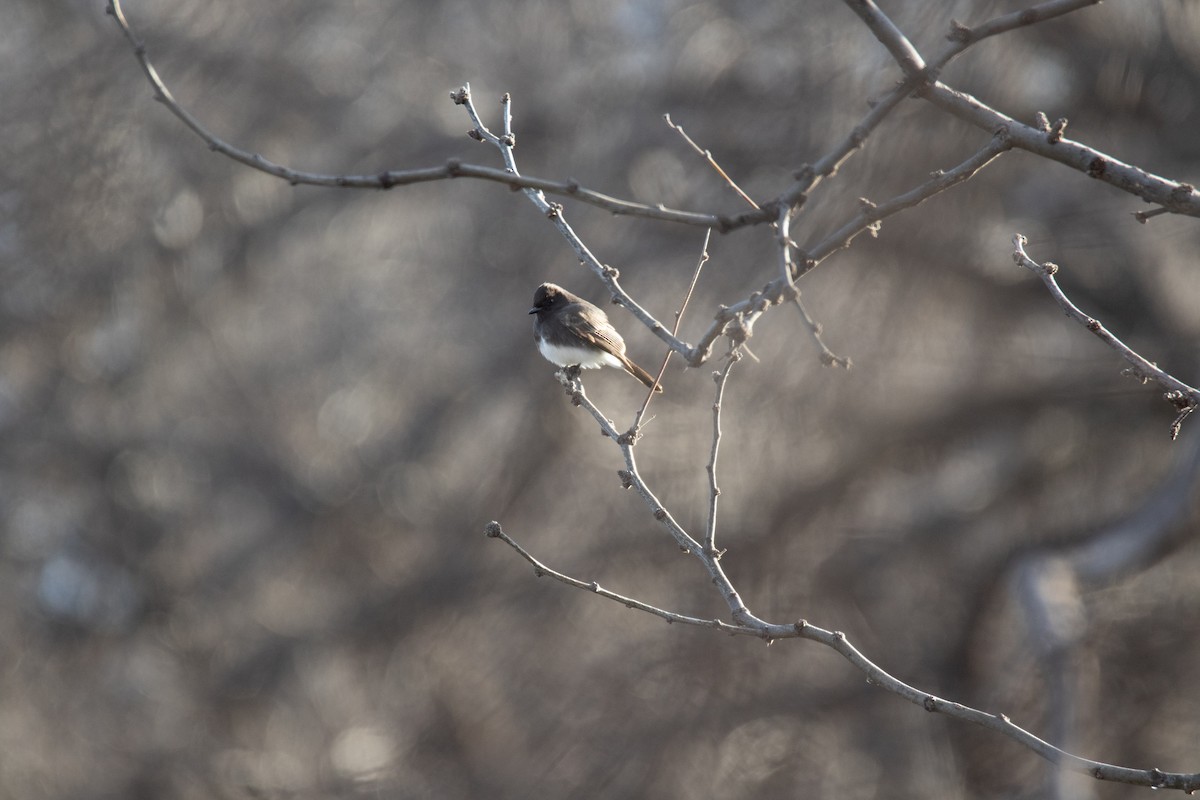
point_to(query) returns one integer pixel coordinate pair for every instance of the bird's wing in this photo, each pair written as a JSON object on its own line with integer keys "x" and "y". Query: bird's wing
{"x": 592, "y": 325}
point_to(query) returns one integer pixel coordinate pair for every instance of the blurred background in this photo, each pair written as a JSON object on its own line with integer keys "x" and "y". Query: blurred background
{"x": 252, "y": 432}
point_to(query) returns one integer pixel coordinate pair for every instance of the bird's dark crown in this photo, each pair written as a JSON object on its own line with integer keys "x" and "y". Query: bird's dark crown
{"x": 550, "y": 295}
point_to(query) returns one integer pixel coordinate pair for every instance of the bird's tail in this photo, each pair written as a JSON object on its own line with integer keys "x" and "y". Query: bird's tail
{"x": 639, "y": 373}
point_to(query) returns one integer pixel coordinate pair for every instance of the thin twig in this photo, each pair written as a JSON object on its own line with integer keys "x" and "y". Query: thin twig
{"x": 554, "y": 212}
{"x": 496, "y": 532}
{"x": 721, "y": 377}
{"x": 712, "y": 162}
{"x": 869, "y": 217}
{"x": 687, "y": 298}
{"x": 789, "y": 269}
{"x": 962, "y": 37}
{"x": 631, "y": 478}
{"x": 1183, "y": 397}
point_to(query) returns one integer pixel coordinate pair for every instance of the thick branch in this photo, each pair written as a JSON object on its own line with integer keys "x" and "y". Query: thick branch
{"x": 1180, "y": 198}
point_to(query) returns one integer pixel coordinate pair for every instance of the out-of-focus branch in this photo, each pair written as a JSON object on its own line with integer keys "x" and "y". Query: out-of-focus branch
{"x": 1183, "y": 397}
{"x": 1049, "y": 584}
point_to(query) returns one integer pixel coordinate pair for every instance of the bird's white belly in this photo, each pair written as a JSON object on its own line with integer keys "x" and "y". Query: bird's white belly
{"x": 589, "y": 358}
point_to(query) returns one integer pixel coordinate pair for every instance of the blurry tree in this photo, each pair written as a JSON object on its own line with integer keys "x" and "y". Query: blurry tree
{"x": 253, "y": 429}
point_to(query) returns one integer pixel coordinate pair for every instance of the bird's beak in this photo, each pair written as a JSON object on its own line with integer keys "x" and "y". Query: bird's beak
{"x": 533, "y": 311}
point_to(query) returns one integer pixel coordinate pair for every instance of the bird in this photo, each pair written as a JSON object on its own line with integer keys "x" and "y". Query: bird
{"x": 570, "y": 331}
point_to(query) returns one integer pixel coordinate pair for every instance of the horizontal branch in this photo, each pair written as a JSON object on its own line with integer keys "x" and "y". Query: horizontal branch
{"x": 387, "y": 179}
{"x": 1181, "y": 198}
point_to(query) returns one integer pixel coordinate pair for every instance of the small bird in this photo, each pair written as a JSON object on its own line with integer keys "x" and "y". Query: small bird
{"x": 570, "y": 331}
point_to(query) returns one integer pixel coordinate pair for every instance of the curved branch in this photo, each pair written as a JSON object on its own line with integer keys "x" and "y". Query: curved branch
{"x": 837, "y": 641}
{"x": 387, "y": 179}
{"x": 1184, "y": 397}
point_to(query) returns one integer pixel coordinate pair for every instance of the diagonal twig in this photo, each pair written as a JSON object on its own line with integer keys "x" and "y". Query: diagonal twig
{"x": 1183, "y": 397}
{"x": 712, "y": 162}
{"x": 554, "y": 212}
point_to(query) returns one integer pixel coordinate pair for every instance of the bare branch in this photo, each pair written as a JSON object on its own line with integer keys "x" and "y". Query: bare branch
{"x": 554, "y": 213}
{"x": 890, "y": 36}
{"x": 720, "y": 377}
{"x": 494, "y": 531}
{"x": 687, "y": 298}
{"x": 869, "y": 215}
{"x": 387, "y": 179}
{"x": 836, "y": 640}
{"x": 963, "y": 37}
{"x": 712, "y": 162}
{"x": 1180, "y": 198}
{"x": 1179, "y": 394}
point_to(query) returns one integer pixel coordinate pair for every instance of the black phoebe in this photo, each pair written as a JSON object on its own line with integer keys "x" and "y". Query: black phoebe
{"x": 570, "y": 331}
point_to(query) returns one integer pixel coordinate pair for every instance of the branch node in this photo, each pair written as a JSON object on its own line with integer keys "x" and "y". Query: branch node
{"x": 493, "y": 530}
{"x": 476, "y": 135}
{"x": 959, "y": 32}
{"x": 930, "y": 703}
{"x": 386, "y": 181}
{"x": 1042, "y": 122}
{"x": 453, "y": 167}
{"x": 461, "y": 95}
{"x": 629, "y": 437}
{"x": 626, "y": 478}
{"x": 1097, "y": 167}
{"x": 1057, "y": 130}
{"x": 554, "y": 211}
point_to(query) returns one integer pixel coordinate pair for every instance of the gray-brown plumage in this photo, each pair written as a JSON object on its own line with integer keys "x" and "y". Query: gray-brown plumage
{"x": 570, "y": 331}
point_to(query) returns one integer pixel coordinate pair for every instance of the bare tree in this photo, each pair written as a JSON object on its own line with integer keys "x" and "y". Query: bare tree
{"x": 1024, "y": 639}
